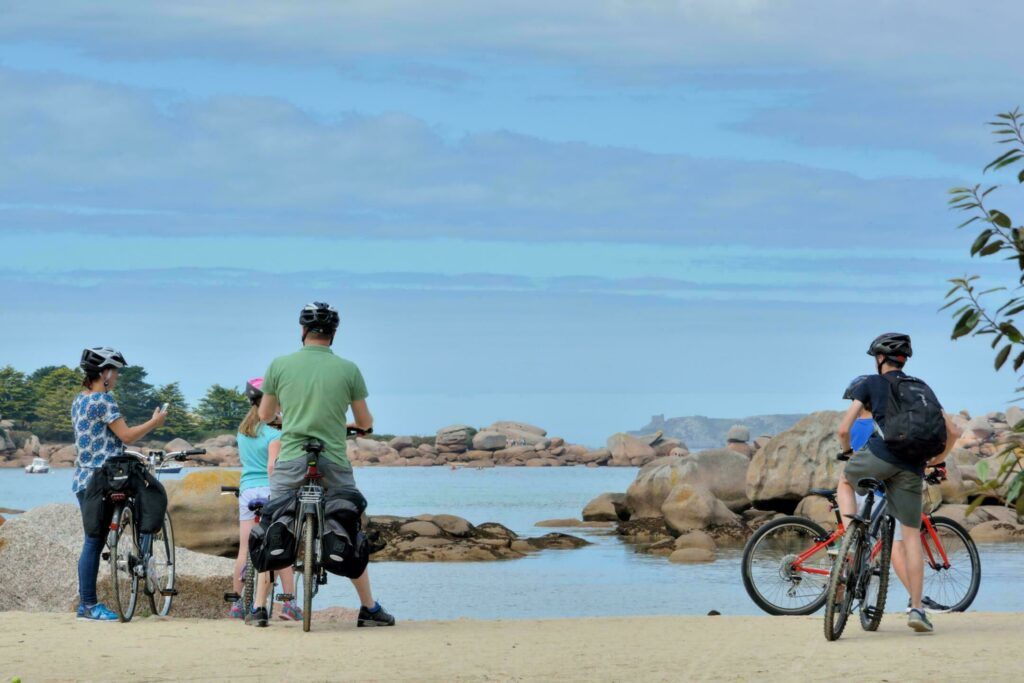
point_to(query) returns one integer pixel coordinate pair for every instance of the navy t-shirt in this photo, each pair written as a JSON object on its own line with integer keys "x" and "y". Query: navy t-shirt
{"x": 873, "y": 392}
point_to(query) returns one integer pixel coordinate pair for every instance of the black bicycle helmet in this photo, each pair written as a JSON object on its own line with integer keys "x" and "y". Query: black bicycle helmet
{"x": 101, "y": 357}
{"x": 848, "y": 394}
{"x": 319, "y": 317}
{"x": 892, "y": 345}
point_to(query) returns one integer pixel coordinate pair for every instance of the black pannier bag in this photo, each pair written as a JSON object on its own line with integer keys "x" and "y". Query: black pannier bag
{"x": 915, "y": 427}
{"x": 344, "y": 548}
{"x": 129, "y": 476}
{"x": 272, "y": 543}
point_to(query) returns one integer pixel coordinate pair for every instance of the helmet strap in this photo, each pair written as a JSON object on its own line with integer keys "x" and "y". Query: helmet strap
{"x": 106, "y": 378}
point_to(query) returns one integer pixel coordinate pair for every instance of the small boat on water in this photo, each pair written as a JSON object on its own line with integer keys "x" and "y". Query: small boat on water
{"x": 38, "y": 466}
{"x": 168, "y": 469}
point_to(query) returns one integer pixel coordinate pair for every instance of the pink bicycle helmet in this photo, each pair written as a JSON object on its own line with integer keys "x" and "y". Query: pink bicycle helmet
{"x": 253, "y": 390}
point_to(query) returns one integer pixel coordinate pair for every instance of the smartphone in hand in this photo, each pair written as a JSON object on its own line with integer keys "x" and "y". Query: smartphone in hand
{"x": 164, "y": 407}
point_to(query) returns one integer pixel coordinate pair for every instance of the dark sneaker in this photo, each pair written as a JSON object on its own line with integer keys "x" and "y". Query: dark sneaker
{"x": 918, "y": 621}
{"x": 931, "y": 605}
{"x": 378, "y": 618}
{"x": 259, "y": 615}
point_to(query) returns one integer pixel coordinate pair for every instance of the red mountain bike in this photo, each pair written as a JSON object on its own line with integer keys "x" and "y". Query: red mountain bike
{"x": 787, "y": 562}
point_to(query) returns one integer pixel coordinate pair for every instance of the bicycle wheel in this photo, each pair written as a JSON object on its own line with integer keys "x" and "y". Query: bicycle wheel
{"x": 955, "y": 586}
{"x": 249, "y": 578}
{"x": 271, "y": 592}
{"x": 124, "y": 556}
{"x": 769, "y": 575}
{"x": 876, "y": 576}
{"x": 842, "y": 582}
{"x": 160, "y": 572}
{"x": 309, "y": 569}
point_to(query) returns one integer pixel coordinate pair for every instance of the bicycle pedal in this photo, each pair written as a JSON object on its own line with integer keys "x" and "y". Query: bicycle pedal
{"x": 232, "y": 597}
{"x": 168, "y": 592}
{"x": 285, "y": 597}
{"x": 105, "y": 555}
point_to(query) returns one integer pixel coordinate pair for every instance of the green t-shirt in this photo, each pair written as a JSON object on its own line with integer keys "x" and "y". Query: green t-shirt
{"x": 315, "y": 389}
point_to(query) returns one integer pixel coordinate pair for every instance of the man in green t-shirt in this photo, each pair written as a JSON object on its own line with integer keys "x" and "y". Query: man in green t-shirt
{"x": 314, "y": 389}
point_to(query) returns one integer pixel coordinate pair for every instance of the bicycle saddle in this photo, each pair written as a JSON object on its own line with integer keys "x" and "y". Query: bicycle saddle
{"x": 869, "y": 483}
{"x": 830, "y": 494}
{"x": 313, "y": 447}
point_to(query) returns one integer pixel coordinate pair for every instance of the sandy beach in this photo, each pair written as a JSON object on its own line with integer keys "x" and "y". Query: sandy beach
{"x": 964, "y": 647}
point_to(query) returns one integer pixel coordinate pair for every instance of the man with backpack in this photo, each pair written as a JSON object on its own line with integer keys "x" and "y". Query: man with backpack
{"x": 911, "y": 432}
{"x": 315, "y": 389}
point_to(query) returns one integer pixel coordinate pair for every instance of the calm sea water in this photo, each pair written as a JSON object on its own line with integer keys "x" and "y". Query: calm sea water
{"x": 604, "y": 579}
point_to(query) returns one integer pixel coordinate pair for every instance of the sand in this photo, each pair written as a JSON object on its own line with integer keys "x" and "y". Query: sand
{"x": 976, "y": 647}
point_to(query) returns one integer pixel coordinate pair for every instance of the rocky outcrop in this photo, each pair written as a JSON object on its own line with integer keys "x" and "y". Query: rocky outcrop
{"x": 795, "y": 461}
{"x": 205, "y": 520}
{"x": 692, "y": 506}
{"x": 608, "y": 507}
{"x": 720, "y": 471}
{"x": 629, "y": 450}
{"x": 46, "y": 542}
{"x": 447, "y": 538}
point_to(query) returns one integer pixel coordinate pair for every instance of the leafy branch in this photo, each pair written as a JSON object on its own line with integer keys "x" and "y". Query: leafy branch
{"x": 977, "y": 315}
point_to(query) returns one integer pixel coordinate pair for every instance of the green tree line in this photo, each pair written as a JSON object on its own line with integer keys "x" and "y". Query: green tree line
{"x": 40, "y": 402}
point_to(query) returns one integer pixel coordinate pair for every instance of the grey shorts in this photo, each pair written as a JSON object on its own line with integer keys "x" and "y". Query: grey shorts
{"x": 903, "y": 489}
{"x": 289, "y": 475}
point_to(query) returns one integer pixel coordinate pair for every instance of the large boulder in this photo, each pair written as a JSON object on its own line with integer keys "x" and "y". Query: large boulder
{"x": 627, "y": 450}
{"x": 720, "y": 471}
{"x": 692, "y": 555}
{"x": 31, "y": 446}
{"x": 455, "y": 438}
{"x": 204, "y": 520}
{"x": 488, "y": 440}
{"x": 795, "y": 461}
{"x": 817, "y": 509}
{"x": 518, "y": 433}
{"x": 46, "y": 542}
{"x": 608, "y": 507}
{"x": 177, "y": 445}
{"x": 691, "y": 506}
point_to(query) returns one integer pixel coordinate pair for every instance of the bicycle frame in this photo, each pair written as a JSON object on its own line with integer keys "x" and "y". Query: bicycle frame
{"x": 928, "y": 533}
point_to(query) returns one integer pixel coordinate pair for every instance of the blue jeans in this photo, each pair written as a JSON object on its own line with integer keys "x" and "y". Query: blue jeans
{"x": 88, "y": 564}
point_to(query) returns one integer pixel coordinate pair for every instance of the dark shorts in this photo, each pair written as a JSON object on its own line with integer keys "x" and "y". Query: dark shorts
{"x": 289, "y": 475}
{"x": 903, "y": 489}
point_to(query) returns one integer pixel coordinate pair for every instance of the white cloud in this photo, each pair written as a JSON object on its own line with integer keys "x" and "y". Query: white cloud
{"x": 103, "y": 158}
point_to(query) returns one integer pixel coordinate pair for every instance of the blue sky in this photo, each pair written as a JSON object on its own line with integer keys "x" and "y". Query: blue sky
{"x": 577, "y": 214}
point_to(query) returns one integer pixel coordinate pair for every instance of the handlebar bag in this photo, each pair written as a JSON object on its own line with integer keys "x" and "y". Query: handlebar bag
{"x": 345, "y": 550}
{"x": 272, "y": 542}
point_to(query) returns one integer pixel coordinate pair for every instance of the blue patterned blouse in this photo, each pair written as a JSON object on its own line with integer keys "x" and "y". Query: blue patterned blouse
{"x": 90, "y": 415}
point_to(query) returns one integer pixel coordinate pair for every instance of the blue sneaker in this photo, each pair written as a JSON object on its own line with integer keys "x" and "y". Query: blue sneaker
{"x": 97, "y": 612}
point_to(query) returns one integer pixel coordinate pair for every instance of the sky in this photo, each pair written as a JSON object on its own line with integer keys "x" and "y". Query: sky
{"x": 577, "y": 214}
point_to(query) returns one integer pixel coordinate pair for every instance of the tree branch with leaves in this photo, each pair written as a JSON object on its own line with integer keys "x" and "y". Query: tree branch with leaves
{"x": 980, "y": 312}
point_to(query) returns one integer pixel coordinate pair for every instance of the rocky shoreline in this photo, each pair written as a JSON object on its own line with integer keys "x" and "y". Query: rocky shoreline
{"x": 684, "y": 506}
{"x": 502, "y": 444}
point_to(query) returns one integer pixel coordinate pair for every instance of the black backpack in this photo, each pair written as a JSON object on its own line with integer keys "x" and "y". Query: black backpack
{"x": 915, "y": 428}
{"x": 345, "y": 550}
{"x": 272, "y": 542}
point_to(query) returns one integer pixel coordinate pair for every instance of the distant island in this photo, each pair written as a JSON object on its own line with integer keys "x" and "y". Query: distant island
{"x": 699, "y": 432}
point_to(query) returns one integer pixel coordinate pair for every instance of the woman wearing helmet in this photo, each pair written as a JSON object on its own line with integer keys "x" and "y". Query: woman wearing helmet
{"x": 100, "y": 432}
{"x": 255, "y": 442}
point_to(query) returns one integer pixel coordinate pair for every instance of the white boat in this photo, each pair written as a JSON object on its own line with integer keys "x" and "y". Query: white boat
{"x": 38, "y": 466}
{"x": 168, "y": 469}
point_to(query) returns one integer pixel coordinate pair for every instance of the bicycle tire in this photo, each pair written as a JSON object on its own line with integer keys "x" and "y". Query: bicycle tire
{"x": 249, "y": 579}
{"x": 163, "y": 540}
{"x": 963, "y": 602}
{"x": 844, "y": 574}
{"x": 124, "y": 582}
{"x": 309, "y": 570}
{"x": 271, "y": 591}
{"x": 776, "y": 527}
{"x": 871, "y": 614}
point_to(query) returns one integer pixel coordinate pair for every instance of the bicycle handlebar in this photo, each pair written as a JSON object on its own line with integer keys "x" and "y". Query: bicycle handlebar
{"x": 356, "y": 431}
